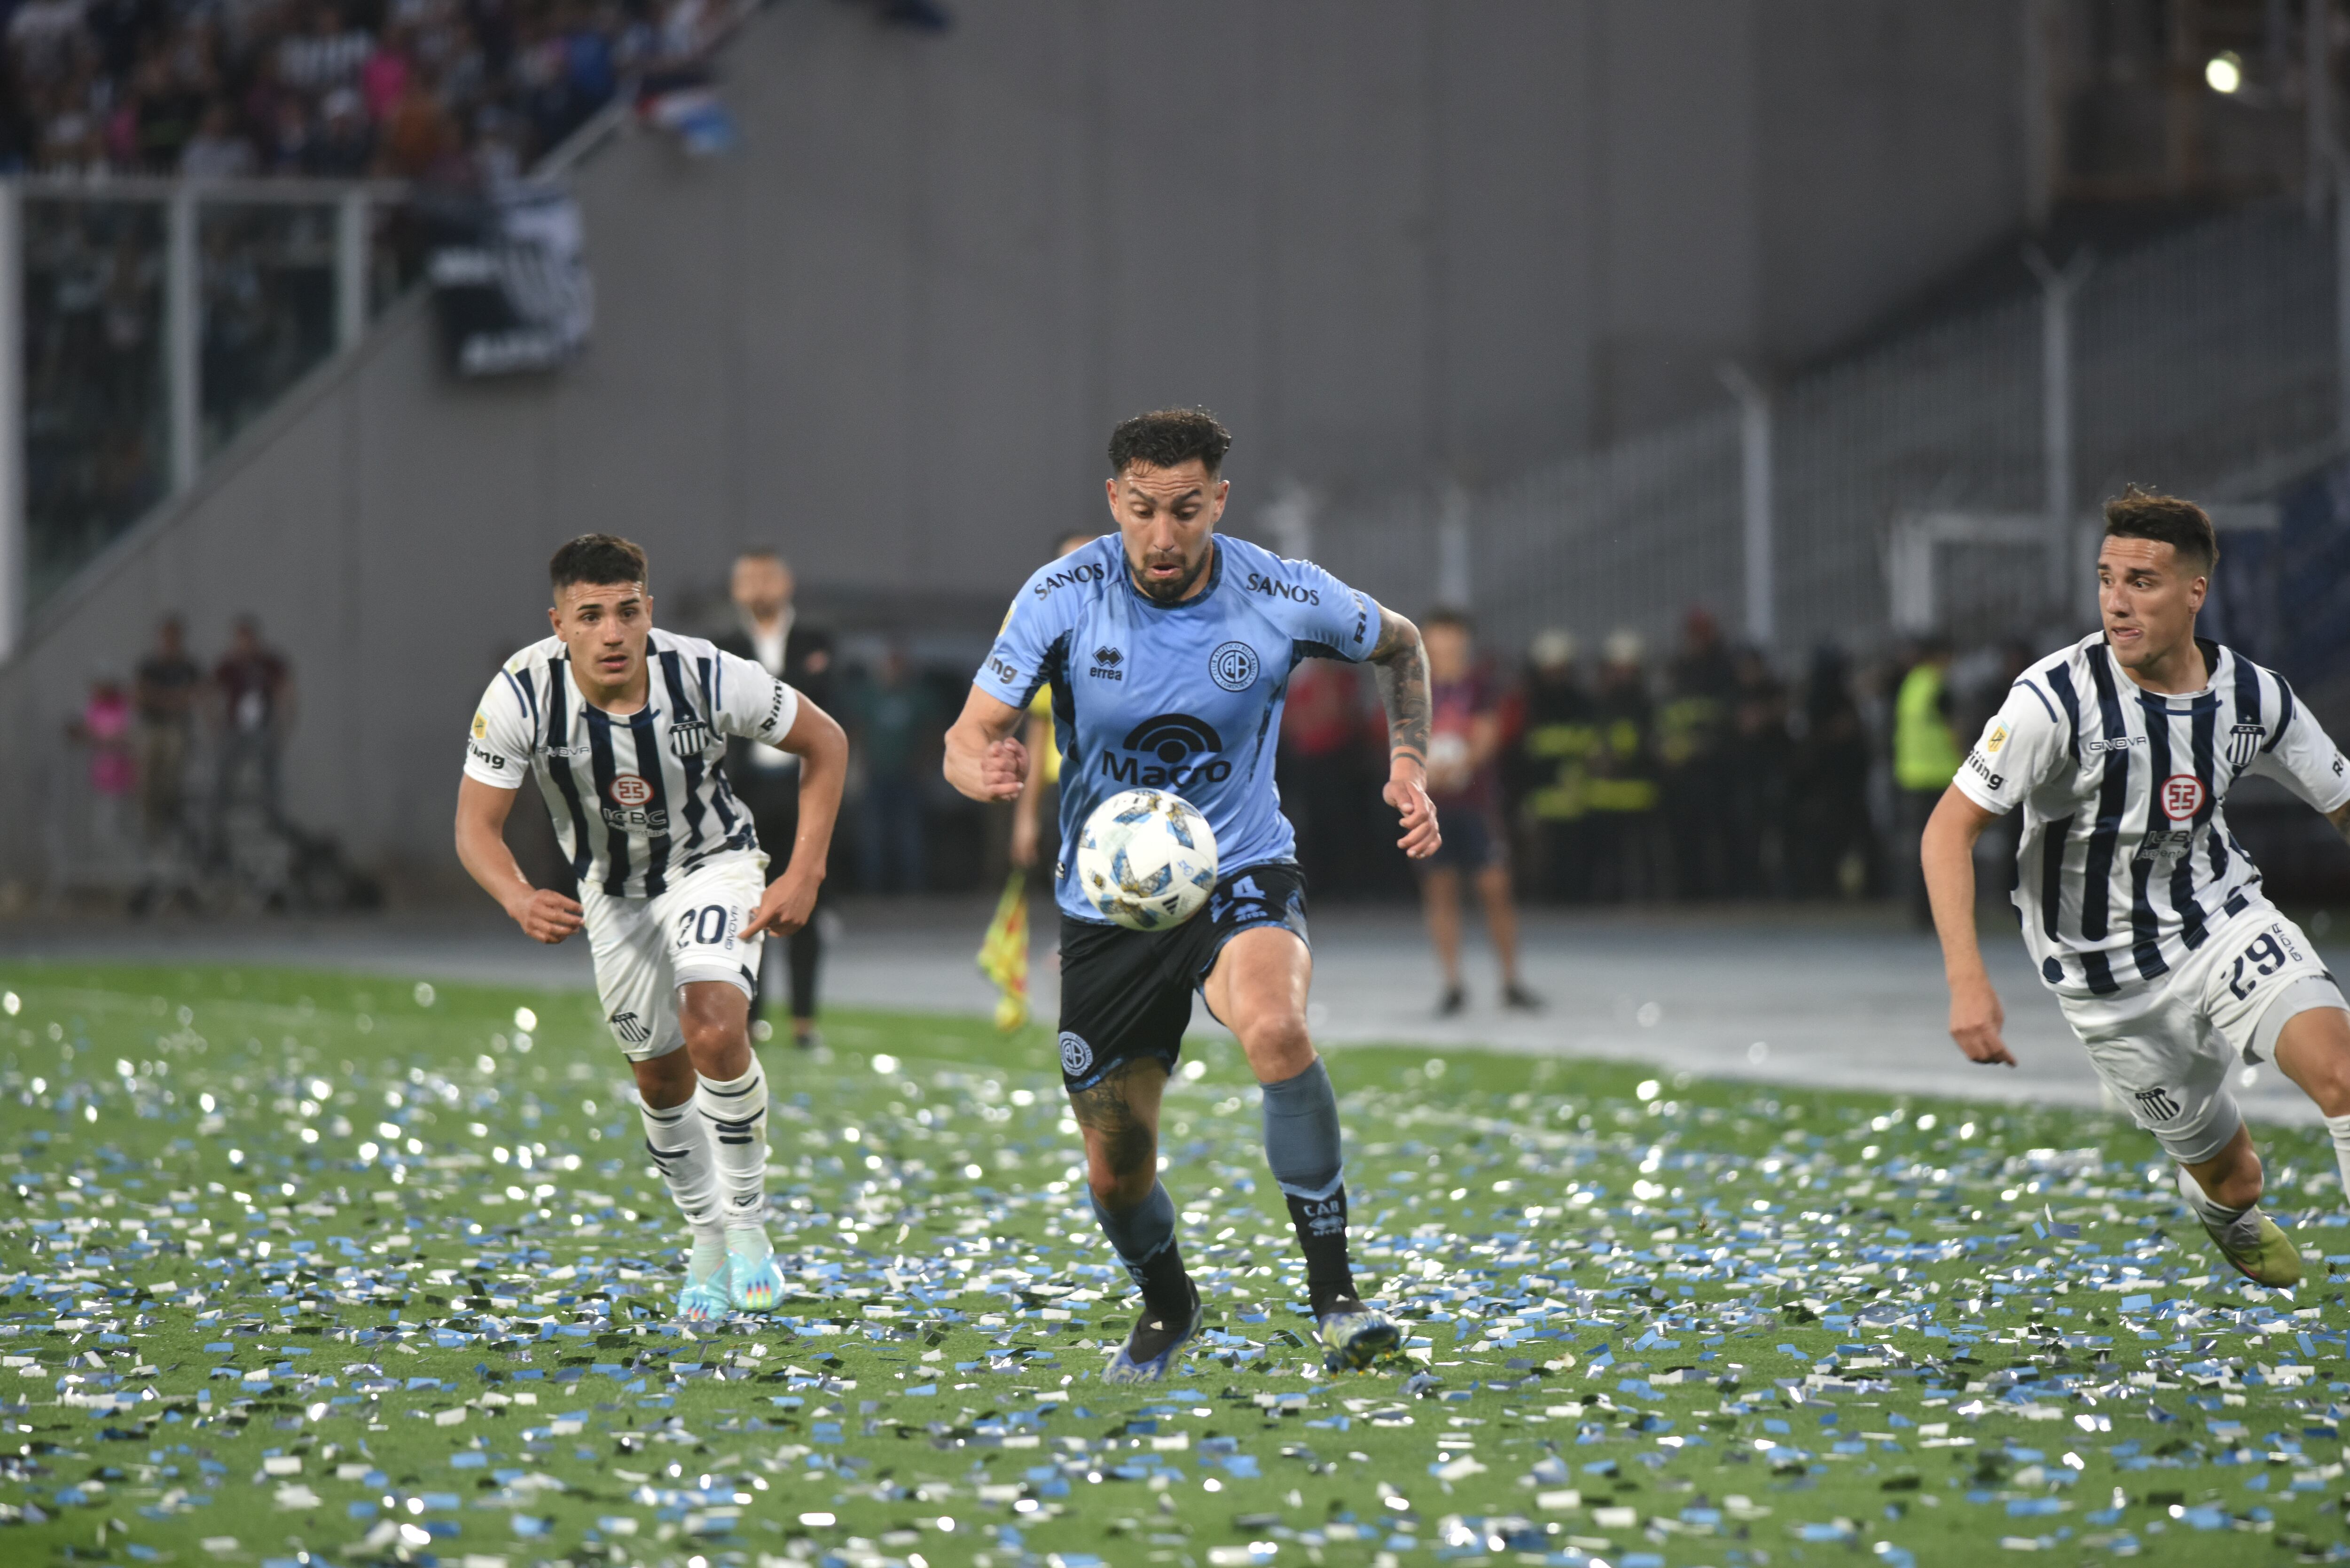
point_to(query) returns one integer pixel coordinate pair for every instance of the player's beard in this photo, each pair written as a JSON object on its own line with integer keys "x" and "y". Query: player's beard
{"x": 1172, "y": 591}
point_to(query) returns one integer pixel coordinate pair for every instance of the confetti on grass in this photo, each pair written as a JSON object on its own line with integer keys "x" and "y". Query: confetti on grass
{"x": 303, "y": 1270}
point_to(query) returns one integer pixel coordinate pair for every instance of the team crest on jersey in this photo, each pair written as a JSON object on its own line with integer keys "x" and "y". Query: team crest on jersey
{"x": 1233, "y": 666}
{"x": 1075, "y": 1054}
{"x": 2244, "y": 744}
{"x": 628, "y": 789}
{"x": 689, "y": 736}
{"x": 2159, "y": 1104}
{"x": 2182, "y": 795}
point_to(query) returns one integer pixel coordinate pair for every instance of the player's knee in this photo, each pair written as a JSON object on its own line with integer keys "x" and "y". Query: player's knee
{"x": 1278, "y": 1047}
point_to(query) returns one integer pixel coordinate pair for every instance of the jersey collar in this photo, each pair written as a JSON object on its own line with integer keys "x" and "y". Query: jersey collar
{"x": 1197, "y": 601}
{"x": 2217, "y": 661}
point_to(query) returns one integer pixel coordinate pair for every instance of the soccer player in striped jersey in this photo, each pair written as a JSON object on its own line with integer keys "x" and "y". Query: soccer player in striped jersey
{"x": 626, "y": 726}
{"x": 2140, "y": 909}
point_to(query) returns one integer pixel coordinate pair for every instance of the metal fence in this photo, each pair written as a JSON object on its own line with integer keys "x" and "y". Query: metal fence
{"x": 159, "y": 318}
{"x": 2207, "y": 363}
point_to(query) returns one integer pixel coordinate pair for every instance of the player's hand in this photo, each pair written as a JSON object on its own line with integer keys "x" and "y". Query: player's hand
{"x": 1003, "y": 770}
{"x": 548, "y": 916}
{"x": 789, "y": 900}
{"x": 1975, "y": 1020}
{"x": 1406, "y": 791}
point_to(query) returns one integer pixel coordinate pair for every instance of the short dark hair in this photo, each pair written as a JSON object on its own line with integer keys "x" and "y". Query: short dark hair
{"x": 598, "y": 560}
{"x": 1168, "y": 438}
{"x": 2186, "y": 527}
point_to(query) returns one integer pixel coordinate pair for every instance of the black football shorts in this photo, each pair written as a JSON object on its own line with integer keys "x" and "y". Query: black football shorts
{"x": 1127, "y": 994}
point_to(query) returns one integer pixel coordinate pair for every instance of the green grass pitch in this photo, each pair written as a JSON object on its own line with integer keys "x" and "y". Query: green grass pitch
{"x": 309, "y": 1269}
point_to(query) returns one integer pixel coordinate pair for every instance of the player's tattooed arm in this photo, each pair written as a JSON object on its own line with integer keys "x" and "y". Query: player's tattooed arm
{"x": 1402, "y": 667}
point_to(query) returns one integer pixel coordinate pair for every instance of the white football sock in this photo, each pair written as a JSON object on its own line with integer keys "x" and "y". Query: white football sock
{"x": 678, "y": 1141}
{"x": 2339, "y": 1128}
{"x": 735, "y": 1112}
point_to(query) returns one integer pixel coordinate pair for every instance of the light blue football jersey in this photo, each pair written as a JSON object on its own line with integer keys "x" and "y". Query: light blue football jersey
{"x": 1184, "y": 698}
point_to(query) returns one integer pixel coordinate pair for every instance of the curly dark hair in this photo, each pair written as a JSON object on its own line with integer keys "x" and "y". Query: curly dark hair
{"x": 598, "y": 560}
{"x": 2137, "y": 513}
{"x": 1166, "y": 438}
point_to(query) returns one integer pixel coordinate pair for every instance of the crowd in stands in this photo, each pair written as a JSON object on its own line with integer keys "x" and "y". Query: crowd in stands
{"x": 459, "y": 91}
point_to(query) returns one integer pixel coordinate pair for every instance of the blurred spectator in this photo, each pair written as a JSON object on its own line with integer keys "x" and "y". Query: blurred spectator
{"x": 893, "y": 723}
{"x": 1627, "y": 845}
{"x": 1039, "y": 801}
{"x": 769, "y": 632}
{"x": 1754, "y": 777}
{"x": 256, "y": 711}
{"x": 169, "y": 683}
{"x": 1701, "y": 686}
{"x": 1558, "y": 737}
{"x": 1463, "y": 746}
{"x": 1326, "y": 790}
{"x": 104, "y": 726}
{"x": 218, "y": 150}
{"x": 1830, "y": 844}
{"x": 1926, "y": 758}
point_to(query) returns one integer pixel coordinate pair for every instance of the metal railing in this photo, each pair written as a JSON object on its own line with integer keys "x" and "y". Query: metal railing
{"x": 156, "y": 319}
{"x": 2210, "y": 363}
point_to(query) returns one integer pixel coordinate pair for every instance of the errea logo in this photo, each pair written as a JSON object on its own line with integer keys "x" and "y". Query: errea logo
{"x": 1106, "y": 661}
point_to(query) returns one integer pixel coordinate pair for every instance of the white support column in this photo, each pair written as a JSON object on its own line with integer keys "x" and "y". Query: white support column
{"x": 350, "y": 269}
{"x": 1761, "y": 527}
{"x": 13, "y": 544}
{"x": 1455, "y": 582}
{"x": 2056, "y": 291}
{"x": 182, "y": 338}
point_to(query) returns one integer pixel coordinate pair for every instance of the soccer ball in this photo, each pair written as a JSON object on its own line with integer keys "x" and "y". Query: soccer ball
{"x": 1147, "y": 859}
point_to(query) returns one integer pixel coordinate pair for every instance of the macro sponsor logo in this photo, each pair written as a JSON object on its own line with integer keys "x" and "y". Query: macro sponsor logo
{"x": 1996, "y": 781}
{"x": 1274, "y": 587}
{"x": 1066, "y": 577}
{"x": 1167, "y": 752}
{"x": 487, "y": 759}
{"x": 628, "y": 789}
{"x": 2182, "y": 796}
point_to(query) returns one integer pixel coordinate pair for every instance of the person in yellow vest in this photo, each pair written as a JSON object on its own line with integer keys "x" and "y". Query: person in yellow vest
{"x": 1926, "y": 758}
{"x": 1039, "y": 801}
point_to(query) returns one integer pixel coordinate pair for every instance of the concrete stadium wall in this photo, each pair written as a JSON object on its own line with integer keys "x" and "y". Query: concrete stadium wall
{"x": 1386, "y": 239}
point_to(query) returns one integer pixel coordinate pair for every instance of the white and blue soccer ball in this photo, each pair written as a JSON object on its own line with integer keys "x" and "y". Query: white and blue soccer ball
{"x": 1147, "y": 859}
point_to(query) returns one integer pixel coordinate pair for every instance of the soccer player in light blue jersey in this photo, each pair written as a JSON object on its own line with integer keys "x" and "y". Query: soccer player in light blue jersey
{"x": 1168, "y": 650}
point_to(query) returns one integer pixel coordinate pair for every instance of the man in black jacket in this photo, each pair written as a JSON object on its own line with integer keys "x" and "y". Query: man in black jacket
{"x": 768, "y": 633}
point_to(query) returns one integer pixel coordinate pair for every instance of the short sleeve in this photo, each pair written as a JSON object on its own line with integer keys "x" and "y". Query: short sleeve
{"x": 2025, "y": 746}
{"x": 1015, "y": 667}
{"x": 1329, "y": 618}
{"x": 2305, "y": 759}
{"x": 498, "y": 753}
{"x": 752, "y": 704}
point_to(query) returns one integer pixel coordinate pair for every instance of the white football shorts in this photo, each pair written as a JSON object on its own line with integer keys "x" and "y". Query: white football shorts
{"x": 2166, "y": 1050}
{"x": 647, "y": 948}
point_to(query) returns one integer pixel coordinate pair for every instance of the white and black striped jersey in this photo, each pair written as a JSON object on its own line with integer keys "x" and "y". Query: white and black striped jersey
{"x": 640, "y": 798}
{"x": 2126, "y": 864}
